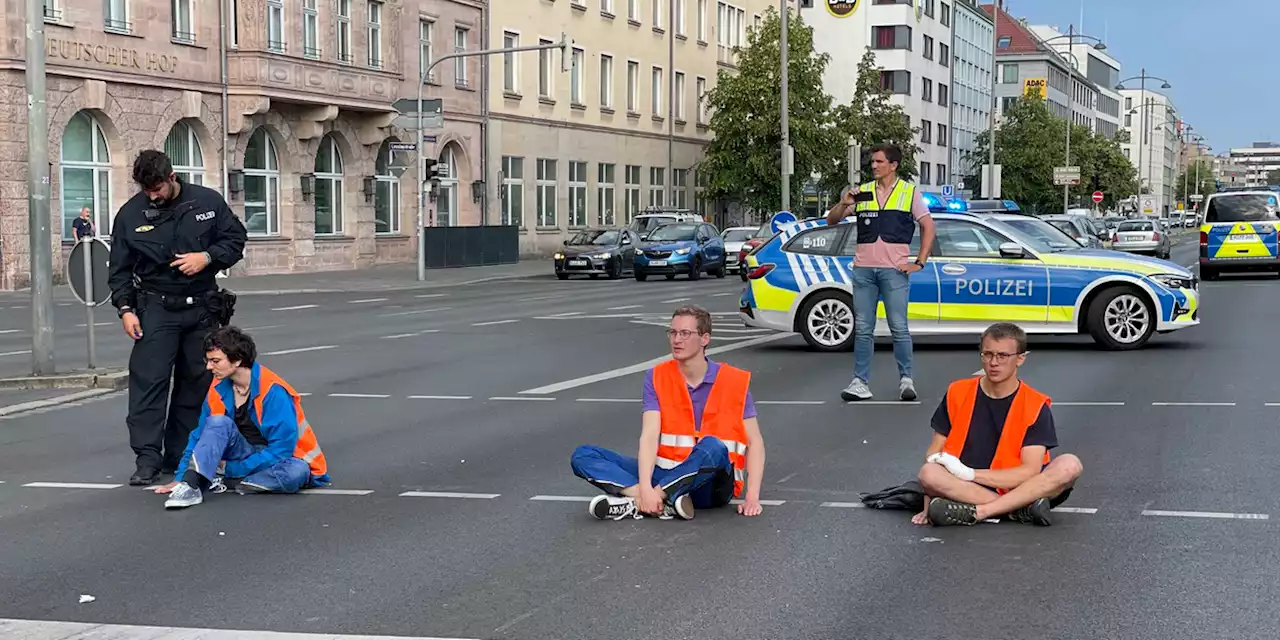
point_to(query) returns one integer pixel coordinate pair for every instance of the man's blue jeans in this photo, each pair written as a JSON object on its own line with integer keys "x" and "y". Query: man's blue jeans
{"x": 870, "y": 286}
{"x": 707, "y": 474}
{"x": 221, "y": 440}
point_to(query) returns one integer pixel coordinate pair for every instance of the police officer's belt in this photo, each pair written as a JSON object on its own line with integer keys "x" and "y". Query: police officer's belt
{"x": 178, "y": 302}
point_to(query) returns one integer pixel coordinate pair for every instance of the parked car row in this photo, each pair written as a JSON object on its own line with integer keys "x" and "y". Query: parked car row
{"x": 663, "y": 243}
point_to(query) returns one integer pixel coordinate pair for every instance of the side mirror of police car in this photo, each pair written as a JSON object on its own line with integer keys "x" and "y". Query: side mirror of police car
{"x": 1012, "y": 250}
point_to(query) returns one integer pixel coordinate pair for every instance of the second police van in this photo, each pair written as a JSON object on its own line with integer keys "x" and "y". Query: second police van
{"x": 1239, "y": 232}
{"x": 985, "y": 268}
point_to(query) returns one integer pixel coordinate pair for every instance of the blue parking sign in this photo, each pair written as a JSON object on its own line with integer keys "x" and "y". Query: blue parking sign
{"x": 948, "y": 191}
{"x": 780, "y": 218}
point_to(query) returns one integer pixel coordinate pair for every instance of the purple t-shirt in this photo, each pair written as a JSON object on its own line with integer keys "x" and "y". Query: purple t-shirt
{"x": 698, "y": 394}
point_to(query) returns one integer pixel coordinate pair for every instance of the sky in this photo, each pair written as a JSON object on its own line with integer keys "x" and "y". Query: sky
{"x": 1218, "y": 55}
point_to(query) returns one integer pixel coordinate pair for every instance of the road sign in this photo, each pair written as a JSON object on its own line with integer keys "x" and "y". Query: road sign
{"x": 443, "y": 168}
{"x": 1097, "y": 196}
{"x": 99, "y": 293}
{"x": 432, "y": 110}
{"x": 1066, "y": 175}
{"x": 1195, "y": 197}
{"x": 948, "y": 191}
{"x": 431, "y": 139}
{"x": 1148, "y": 205}
{"x": 780, "y": 218}
{"x": 402, "y": 157}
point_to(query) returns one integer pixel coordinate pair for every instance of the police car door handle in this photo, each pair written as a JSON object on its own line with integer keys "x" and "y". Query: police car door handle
{"x": 953, "y": 269}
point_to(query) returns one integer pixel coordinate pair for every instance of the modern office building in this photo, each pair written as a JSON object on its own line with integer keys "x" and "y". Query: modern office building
{"x": 1025, "y": 64}
{"x": 972, "y": 44}
{"x": 1258, "y": 161}
{"x": 1154, "y": 147}
{"x": 1102, "y": 70}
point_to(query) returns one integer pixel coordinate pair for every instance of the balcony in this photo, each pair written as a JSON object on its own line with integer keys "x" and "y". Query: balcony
{"x": 304, "y": 80}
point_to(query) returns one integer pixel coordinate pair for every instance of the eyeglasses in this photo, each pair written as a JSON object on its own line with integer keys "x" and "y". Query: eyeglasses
{"x": 683, "y": 334}
{"x": 998, "y": 356}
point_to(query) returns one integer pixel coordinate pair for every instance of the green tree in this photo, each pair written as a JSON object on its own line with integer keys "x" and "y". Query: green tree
{"x": 869, "y": 119}
{"x": 1273, "y": 177}
{"x": 1191, "y": 182}
{"x": 743, "y": 162}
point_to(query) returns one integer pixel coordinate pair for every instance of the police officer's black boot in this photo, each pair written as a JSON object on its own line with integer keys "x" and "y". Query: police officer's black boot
{"x": 144, "y": 476}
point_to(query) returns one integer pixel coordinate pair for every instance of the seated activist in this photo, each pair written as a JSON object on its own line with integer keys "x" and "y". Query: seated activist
{"x": 990, "y": 451}
{"x": 251, "y": 427}
{"x": 698, "y": 434}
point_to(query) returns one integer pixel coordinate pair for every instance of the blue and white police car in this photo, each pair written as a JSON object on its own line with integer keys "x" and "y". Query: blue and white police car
{"x": 993, "y": 267}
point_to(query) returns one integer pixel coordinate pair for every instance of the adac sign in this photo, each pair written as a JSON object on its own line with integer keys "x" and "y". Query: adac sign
{"x": 842, "y": 8}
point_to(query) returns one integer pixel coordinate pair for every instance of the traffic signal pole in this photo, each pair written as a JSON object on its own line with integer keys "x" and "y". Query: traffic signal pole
{"x": 40, "y": 235}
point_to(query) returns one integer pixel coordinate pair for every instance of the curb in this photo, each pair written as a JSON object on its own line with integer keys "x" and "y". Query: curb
{"x": 24, "y": 407}
{"x": 409, "y": 287}
{"x": 107, "y": 381}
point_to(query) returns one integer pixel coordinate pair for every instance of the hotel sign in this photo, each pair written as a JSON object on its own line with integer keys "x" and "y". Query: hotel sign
{"x": 86, "y": 53}
{"x": 841, "y": 8}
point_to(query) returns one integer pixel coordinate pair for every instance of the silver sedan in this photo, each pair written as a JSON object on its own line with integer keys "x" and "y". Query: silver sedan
{"x": 1142, "y": 236}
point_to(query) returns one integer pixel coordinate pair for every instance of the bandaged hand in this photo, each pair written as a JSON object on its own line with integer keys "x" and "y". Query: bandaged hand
{"x": 953, "y": 464}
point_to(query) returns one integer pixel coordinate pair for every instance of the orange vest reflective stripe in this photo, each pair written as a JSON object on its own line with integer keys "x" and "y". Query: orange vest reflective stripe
{"x": 308, "y": 448}
{"x": 962, "y": 395}
{"x": 722, "y": 417}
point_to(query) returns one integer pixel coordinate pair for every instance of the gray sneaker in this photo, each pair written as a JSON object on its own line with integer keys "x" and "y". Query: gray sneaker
{"x": 857, "y": 390}
{"x": 907, "y": 389}
{"x": 183, "y": 496}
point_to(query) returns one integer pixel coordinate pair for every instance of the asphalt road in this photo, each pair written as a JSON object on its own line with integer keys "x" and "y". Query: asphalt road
{"x": 472, "y": 400}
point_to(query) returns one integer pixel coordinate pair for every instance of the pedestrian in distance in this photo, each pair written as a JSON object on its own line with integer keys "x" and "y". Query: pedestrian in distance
{"x": 887, "y": 211}
{"x": 990, "y": 451}
{"x": 251, "y": 428}
{"x": 699, "y": 437}
{"x": 82, "y": 227}
{"x": 167, "y": 243}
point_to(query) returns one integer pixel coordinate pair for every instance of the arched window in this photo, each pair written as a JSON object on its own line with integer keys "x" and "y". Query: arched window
{"x": 261, "y": 186}
{"x": 328, "y": 196}
{"x": 386, "y": 196}
{"x": 183, "y": 149}
{"x": 447, "y": 197}
{"x": 86, "y": 175}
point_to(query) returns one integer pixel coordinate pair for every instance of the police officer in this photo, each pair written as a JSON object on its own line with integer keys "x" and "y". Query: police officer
{"x": 168, "y": 243}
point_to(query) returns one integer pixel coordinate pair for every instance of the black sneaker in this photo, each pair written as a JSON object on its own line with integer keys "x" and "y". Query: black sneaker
{"x": 144, "y": 476}
{"x": 948, "y": 513}
{"x": 606, "y": 507}
{"x": 1036, "y": 513}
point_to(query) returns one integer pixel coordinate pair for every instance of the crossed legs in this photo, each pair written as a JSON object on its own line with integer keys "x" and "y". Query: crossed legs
{"x": 1054, "y": 480}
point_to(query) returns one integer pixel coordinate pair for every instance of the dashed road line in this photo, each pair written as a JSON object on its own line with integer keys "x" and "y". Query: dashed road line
{"x": 891, "y": 403}
{"x": 1082, "y": 510}
{"x": 1206, "y": 514}
{"x": 843, "y": 505}
{"x": 263, "y": 328}
{"x": 296, "y": 307}
{"x": 541, "y": 498}
{"x": 12, "y": 330}
{"x": 360, "y": 395}
{"x": 367, "y": 300}
{"x": 521, "y": 398}
{"x": 1193, "y": 404}
{"x": 439, "y": 397}
{"x": 763, "y": 503}
{"x": 449, "y": 494}
{"x": 430, "y": 295}
{"x": 72, "y": 485}
{"x": 15, "y": 628}
{"x": 337, "y": 492}
{"x": 96, "y": 324}
{"x": 414, "y": 312}
{"x": 410, "y": 335}
{"x": 493, "y": 322}
{"x": 567, "y": 314}
{"x": 625, "y": 306}
{"x": 674, "y": 300}
{"x": 726, "y": 293}
{"x": 1088, "y": 404}
{"x": 791, "y": 402}
{"x": 15, "y": 353}
{"x": 284, "y": 352}
{"x": 620, "y": 400}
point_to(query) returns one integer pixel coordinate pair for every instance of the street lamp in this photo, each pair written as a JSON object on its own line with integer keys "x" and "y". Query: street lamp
{"x": 1142, "y": 126}
{"x": 1071, "y": 36}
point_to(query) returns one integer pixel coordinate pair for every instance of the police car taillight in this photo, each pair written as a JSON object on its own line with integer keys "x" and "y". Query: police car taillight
{"x": 1204, "y": 238}
{"x": 760, "y": 271}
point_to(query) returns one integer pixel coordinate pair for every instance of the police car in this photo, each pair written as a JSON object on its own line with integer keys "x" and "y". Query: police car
{"x": 1240, "y": 232}
{"x": 985, "y": 268}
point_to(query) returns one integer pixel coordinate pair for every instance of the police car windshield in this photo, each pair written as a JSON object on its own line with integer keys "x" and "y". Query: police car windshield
{"x": 674, "y": 233}
{"x": 601, "y": 237}
{"x": 1241, "y": 207}
{"x": 1037, "y": 234}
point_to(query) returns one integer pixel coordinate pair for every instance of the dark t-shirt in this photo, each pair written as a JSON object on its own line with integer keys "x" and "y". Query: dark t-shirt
{"x": 986, "y": 424}
{"x": 247, "y": 429}
{"x": 83, "y": 228}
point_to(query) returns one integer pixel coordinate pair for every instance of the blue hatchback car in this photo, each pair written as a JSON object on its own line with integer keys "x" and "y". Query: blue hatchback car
{"x": 691, "y": 248}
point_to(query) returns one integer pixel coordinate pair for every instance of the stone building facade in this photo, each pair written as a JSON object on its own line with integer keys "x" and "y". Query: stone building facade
{"x": 302, "y": 151}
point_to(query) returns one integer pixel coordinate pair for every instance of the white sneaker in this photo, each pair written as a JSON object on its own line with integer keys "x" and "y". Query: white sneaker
{"x": 606, "y": 507}
{"x": 683, "y": 509}
{"x": 857, "y": 390}
{"x": 183, "y": 496}
{"x": 907, "y": 389}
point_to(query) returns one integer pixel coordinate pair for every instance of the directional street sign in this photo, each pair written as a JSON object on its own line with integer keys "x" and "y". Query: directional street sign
{"x": 780, "y": 218}
{"x": 1066, "y": 175}
{"x": 948, "y": 191}
{"x": 432, "y": 113}
{"x": 1195, "y": 197}
{"x": 1097, "y": 196}
{"x": 402, "y": 157}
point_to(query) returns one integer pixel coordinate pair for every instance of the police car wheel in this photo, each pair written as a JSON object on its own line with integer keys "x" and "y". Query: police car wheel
{"x": 826, "y": 321}
{"x": 1121, "y": 318}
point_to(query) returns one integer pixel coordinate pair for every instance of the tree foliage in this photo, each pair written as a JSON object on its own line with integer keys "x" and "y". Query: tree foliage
{"x": 1273, "y": 177}
{"x": 869, "y": 119}
{"x": 1189, "y": 181}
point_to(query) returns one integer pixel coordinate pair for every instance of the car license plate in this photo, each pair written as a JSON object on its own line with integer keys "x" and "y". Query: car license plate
{"x": 1242, "y": 237}
{"x": 578, "y": 263}
{"x": 657, "y": 263}
{"x": 1133, "y": 237}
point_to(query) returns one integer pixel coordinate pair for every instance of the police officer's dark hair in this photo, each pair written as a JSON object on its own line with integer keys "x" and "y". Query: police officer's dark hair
{"x": 891, "y": 152}
{"x": 1006, "y": 331}
{"x": 236, "y": 344}
{"x": 151, "y": 168}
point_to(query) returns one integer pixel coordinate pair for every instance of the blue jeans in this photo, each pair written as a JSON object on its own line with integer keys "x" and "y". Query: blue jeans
{"x": 221, "y": 440}
{"x": 870, "y": 286}
{"x": 707, "y": 474}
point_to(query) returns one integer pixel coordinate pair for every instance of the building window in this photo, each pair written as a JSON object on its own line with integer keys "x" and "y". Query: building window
{"x": 86, "y": 175}
{"x": 426, "y": 29}
{"x": 510, "y": 68}
{"x": 606, "y": 6}
{"x": 655, "y": 91}
{"x": 657, "y": 13}
{"x": 944, "y": 54}
{"x": 386, "y": 194}
{"x": 702, "y": 20}
{"x": 275, "y": 26}
{"x": 447, "y": 194}
{"x": 700, "y": 87}
{"x": 546, "y": 185}
{"x": 656, "y": 184}
{"x": 512, "y": 191}
{"x": 898, "y": 37}
{"x": 328, "y": 195}
{"x": 942, "y": 135}
{"x": 928, "y": 48}
{"x": 925, "y": 178}
{"x": 344, "y": 31}
{"x": 943, "y": 95}
{"x": 606, "y": 81}
{"x": 926, "y": 90}
{"x": 261, "y": 186}
{"x": 730, "y": 26}
{"x": 896, "y": 81}
{"x": 183, "y": 148}
{"x": 946, "y": 15}
{"x": 233, "y": 31}
{"x": 926, "y": 131}
{"x": 679, "y": 96}
{"x": 577, "y": 194}
{"x": 681, "y": 9}
{"x": 117, "y": 16}
{"x": 605, "y": 194}
{"x": 183, "y": 27}
{"x": 375, "y": 35}
{"x": 459, "y": 64}
{"x": 633, "y": 191}
{"x": 575, "y": 79}
{"x": 633, "y": 10}
{"x": 310, "y": 29}
{"x": 679, "y": 188}
{"x": 633, "y": 86}
{"x": 943, "y": 178}
{"x": 545, "y": 71}
{"x": 1009, "y": 72}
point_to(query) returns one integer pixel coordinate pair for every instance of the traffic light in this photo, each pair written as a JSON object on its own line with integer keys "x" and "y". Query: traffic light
{"x": 433, "y": 172}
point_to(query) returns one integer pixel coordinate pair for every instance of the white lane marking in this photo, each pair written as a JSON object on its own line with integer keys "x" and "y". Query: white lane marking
{"x": 625, "y": 306}
{"x": 304, "y": 394}
{"x": 493, "y": 322}
{"x": 338, "y": 492}
{"x": 844, "y": 505}
{"x": 791, "y": 402}
{"x": 23, "y": 407}
{"x": 567, "y": 314}
{"x": 414, "y": 313}
{"x": 627, "y": 400}
{"x": 563, "y": 498}
{"x": 978, "y": 372}
{"x": 15, "y": 353}
{"x": 517, "y": 398}
{"x": 296, "y": 307}
{"x": 284, "y": 352}
{"x": 72, "y": 485}
{"x": 97, "y": 324}
{"x": 410, "y": 335}
{"x": 1088, "y": 510}
{"x": 1088, "y": 404}
{"x": 366, "y": 300}
{"x": 430, "y": 295}
{"x": 439, "y": 397}
{"x": 15, "y": 628}
{"x": 726, "y": 293}
{"x": 763, "y": 503}
{"x": 739, "y": 329}
{"x": 1206, "y": 514}
{"x": 359, "y": 395}
{"x": 263, "y": 328}
{"x": 883, "y": 402}
{"x": 646, "y": 365}
{"x": 449, "y": 494}
{"x": 1193, "y": 404}
{"x": 14, "y": 330}
{"x": 673, "y": 300}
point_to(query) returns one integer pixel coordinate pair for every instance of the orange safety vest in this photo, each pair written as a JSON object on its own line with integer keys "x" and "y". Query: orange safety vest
{"x": 722, "y": 417}
{"x": 308, "y": 448}
{"x": 1027, "y": 404}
